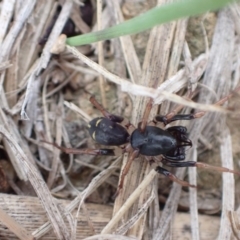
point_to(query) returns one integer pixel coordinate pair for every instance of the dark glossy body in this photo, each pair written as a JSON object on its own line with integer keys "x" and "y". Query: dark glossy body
{"x": 153, "y": 141}
{"x": 145, "y": 140}
{"x": 107, "y": 132}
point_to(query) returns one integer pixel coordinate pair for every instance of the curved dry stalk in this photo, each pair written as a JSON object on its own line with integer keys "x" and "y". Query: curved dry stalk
{"x": 40, "y": 188}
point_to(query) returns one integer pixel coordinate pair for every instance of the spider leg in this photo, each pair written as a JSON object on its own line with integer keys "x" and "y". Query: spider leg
{"x": 215, "y": 168}
{"x": 171, "y": 163}
{"x": 105, "y": 113}
{"x": 110, "y": 116}
{"x": 173, "y": 178}
{"x": 134, "y": 153}
{"x": 147, "y": 111}
{"x": 132, "y": 156}
{"x": 166, "y": 120}
{"x": 172, "y": 116}
{"x": 88, "y": 151}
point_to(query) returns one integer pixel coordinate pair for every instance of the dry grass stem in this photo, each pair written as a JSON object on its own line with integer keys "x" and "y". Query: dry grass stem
{"x": 16, "y": 228}
{"x": 28, "y": 212}
{"x": 8, "y": 42}
{"x": 45, "y": 57}
{"x": 132, "y": 198}
{"x": 78, "y": 201}
{"x": 235, "y": 225}
{"x": 193, "y": 199}
{"x": 140, "y": 90}
{"x": 5, "y": 17}
{"x": 56, "y": 153}
{"x": 100, "y": 53}
{"x": 130, "y": 55}
{"x": 40, "y": 188}
{"x": 109, "y": 237}
{"x": 217, "y": 81}
{"x": 76, "y": 109}
{"x": 228, "y": 186}
{"x": 143, "y": 210}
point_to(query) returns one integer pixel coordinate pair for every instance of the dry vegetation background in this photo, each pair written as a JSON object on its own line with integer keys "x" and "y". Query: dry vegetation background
{"x": 46, "y": 194}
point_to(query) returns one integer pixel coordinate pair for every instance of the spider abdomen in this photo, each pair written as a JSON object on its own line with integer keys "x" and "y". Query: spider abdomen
{"x": 107, "y": 132}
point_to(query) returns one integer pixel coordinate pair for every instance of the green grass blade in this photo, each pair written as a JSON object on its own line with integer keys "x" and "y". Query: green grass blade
{"x": 153, "y": 17}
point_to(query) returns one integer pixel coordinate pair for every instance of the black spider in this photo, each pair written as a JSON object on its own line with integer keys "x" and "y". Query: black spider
{"x": 147, "y": 139}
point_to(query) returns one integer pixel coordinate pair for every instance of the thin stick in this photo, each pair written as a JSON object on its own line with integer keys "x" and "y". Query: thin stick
{"x": 142, "y": 90}
{"x": 16, "y": 228}
{"x": 108, "y": 228}
{"x": 100, "y": 53}
{"x": 40, "y": 187}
